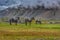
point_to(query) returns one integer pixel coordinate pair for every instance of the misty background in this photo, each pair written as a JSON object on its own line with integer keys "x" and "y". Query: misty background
{"x": 39, "y": 9}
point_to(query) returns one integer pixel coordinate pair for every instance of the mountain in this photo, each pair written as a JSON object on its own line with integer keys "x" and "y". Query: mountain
{"x": 45, "y": 9}
{"x": 38, "y": 13}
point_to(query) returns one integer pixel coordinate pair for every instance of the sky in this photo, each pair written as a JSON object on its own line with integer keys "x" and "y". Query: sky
{"x": 32, "y": 3}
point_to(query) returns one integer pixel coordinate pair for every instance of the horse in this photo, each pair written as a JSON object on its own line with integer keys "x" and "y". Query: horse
{"x": 28, "y": 21}
{"x": 38, "y": 22}
{"x": 14, "y": 20}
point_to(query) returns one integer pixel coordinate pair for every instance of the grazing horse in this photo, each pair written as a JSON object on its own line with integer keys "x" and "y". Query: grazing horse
{"x": 38, "y": 22}
{"x": 28, "y": 21}
{"x": 12, "y": 20}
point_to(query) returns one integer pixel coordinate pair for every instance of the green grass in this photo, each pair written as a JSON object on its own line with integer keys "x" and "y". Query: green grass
{"x": 43, "y": 26}
{"x": 5, "y": 25}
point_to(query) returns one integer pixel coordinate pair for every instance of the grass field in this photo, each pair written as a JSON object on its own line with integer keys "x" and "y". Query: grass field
{"x": 33, "y": 32}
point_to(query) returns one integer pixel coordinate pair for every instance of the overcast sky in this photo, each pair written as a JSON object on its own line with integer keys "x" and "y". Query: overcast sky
{"x": 31, "y": 3}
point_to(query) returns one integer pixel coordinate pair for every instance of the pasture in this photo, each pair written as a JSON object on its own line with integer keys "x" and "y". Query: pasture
{"x": 29, "y": 32}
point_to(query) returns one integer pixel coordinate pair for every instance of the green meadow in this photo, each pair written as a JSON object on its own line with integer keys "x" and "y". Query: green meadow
{"x": 29, "y": 32}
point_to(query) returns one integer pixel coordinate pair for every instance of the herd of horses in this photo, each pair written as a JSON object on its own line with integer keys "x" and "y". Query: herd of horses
{"x": 27, "y": 21}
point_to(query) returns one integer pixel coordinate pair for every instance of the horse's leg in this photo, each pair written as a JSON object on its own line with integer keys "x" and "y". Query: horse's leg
{"x": 10, "y": 22}
{"x": 36, "y": 22}
{"x": 30, "y": 23}
{"x": 26, "y": 23}
{"x": 16, "y": 22}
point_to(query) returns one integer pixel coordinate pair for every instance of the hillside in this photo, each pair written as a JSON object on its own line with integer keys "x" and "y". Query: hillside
{"x": 40, "y": 9}
{"x": 38, "y": 13}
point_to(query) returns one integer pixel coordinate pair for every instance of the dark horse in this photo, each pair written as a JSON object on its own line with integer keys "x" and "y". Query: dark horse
{"x": 28, "y": 21}
{"x": 38, "y": 22}
{"x": 12, "y": 20}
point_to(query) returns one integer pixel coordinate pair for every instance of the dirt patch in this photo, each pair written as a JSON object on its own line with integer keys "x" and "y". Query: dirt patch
{"x": 31, "y": 32}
